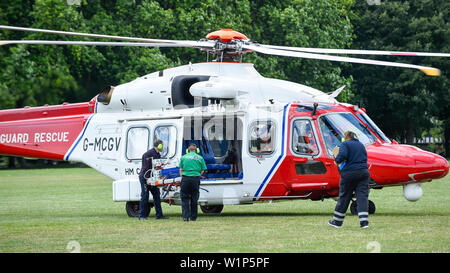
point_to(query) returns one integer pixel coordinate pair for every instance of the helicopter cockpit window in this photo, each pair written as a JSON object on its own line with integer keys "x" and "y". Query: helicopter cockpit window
{"x": 333, "y": 127}
{"x": 366, "y": 119}
{"x": 137, "y": 142}
{"x": 168, "y": 135}
{"x": 303, "y": 140}
{"x": 262, "y": 138}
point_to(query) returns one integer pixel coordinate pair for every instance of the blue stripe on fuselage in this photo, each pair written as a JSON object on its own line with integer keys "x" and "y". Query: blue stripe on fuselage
{"x": 278, "y": 159}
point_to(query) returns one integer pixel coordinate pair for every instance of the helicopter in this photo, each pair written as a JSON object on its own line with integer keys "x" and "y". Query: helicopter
{"x": 262, "y": 139}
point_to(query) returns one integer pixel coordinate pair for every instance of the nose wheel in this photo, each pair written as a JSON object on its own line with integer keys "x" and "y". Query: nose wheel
{"x": 211, "y": 209}
{"x": 354, "y": 209}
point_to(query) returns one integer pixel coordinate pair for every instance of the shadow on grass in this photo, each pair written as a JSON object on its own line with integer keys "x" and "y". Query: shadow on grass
{"x": 400, "y": 213}
{"x": 176, "y": 215}
{"x": 270, "y": 214}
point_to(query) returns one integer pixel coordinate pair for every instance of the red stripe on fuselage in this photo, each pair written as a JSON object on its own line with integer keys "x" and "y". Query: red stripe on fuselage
{"x": 43, "y": 132}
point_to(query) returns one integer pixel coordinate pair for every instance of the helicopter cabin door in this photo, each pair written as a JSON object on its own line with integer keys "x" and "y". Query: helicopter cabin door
{"x": 139, "y": 135}
{"x": 311, "y": 169}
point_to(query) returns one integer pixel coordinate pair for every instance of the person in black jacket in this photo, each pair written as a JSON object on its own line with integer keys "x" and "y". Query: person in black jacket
{"x": 146, "y": 168}
{"x": 354, "y": 178}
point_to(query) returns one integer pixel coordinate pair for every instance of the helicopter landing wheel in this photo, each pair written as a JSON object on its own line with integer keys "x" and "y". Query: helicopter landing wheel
{"x": 354, "y": 209}
{"x": 132, "y": 208}
{"x": 211, "y": 209}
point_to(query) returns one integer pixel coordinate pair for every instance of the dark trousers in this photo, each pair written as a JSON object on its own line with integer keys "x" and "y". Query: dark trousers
{"x": 190, "y": 191}
{"x": 143, "y": 204}
{"x": 353, "y": 181}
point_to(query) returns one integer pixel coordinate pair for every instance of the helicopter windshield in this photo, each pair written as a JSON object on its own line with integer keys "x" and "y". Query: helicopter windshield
{"x": 364, "y": 117}
{"x": 333, "y": 127}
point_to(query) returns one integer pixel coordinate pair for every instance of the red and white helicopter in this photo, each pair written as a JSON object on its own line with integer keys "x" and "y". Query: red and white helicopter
{"x": 262, "y": 138}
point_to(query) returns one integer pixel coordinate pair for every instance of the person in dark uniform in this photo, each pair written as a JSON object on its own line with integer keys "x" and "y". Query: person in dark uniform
{"x": 354, "y": 178}
{"x": 192, "y": 166}
{"x": 147, "y": 157}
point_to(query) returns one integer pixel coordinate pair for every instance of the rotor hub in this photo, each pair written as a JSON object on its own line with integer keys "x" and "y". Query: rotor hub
{"x": 228, "y": 45}
{"x": 226, "y": 35}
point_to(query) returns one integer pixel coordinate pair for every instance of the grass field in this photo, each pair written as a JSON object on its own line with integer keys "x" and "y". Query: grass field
{"x": 46, "y": 210}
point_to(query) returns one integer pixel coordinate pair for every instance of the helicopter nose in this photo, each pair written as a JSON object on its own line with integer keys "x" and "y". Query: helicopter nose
{"x": 395, "y": 164}
{"x": 429, "y": 166}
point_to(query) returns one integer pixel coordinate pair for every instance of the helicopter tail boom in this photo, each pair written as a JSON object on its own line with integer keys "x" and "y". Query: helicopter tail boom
{"x": 43, "y": 132}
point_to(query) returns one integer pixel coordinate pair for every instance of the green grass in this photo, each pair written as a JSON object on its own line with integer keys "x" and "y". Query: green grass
{"x": 43, "y": 210}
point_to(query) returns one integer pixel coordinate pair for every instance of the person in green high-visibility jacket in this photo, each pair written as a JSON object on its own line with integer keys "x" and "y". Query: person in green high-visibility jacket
{"x": 192, "y": 166}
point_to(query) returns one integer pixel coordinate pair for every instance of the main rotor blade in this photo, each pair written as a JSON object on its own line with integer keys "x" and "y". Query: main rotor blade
{"x": 89, "y": 35}
{"x": 357, "y": 52}
{"x": 40, "y": 42}
{"x": 430, "y": 71}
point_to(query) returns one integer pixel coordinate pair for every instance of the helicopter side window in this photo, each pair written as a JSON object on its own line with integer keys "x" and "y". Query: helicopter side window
{"x": 168, "y": 135}
{"x": 262, "y": 138}
{"x": 137, "y": 142}
{"x": 303, "y": 140}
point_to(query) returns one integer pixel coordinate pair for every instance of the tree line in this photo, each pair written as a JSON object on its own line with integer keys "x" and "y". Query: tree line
{"x": 403, "y": 102}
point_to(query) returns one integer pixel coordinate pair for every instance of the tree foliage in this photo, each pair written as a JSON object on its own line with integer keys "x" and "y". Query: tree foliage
{"x": 304, "y": 23}
{"x": 403, "y": 101}
{"x": 38, "y": 74}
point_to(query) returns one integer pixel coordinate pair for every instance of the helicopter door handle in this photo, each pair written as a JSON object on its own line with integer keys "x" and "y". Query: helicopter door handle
{"x": 301, "y": 160}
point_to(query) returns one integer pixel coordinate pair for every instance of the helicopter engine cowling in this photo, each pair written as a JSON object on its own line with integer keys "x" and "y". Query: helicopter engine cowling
{"x": 216, "y": 90}
{"x": 412, "y": 192}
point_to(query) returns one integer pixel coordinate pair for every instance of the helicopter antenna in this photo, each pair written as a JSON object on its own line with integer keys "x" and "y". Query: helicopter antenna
{"x": 336, "y": 92}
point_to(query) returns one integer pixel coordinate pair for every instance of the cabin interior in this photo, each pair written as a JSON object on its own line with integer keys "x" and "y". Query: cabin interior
{"x": 219, "y": 142}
